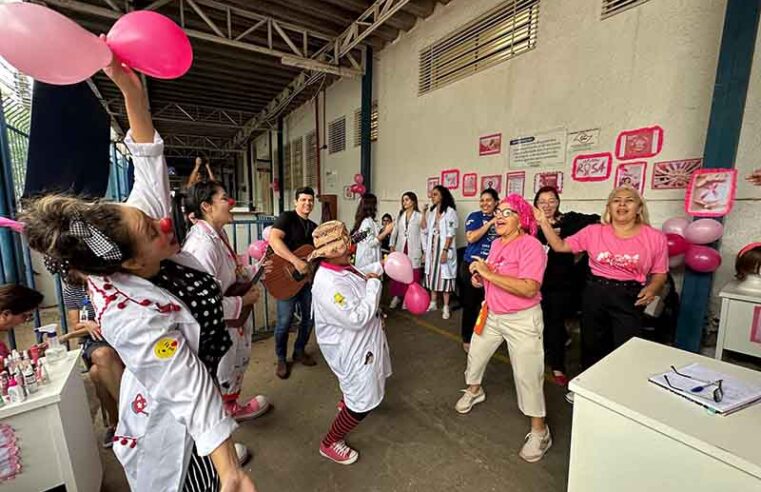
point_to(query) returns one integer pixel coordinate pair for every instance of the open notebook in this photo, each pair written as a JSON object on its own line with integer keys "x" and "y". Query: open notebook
{"x": 699, "y": 388}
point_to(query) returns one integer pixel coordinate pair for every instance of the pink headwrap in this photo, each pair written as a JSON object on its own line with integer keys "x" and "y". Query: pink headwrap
{"x": 748, "y": 247}
{"x": 525, "y": 212}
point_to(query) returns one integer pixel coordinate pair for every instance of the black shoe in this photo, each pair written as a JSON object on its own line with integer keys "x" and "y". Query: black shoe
{"x": 282, "y": 371}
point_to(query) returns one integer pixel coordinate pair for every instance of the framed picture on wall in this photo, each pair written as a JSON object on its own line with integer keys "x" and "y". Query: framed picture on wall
{"x": 450, "y": 178}
{"x": 431, "y": 184}
{"x": 592, "y": 167}
{"x": 493, "y": 181}
{"x": 490, "y": 144}
{"x": 348, "y": 194}
{"x": 673, "y": 175}
{"x": 711, "y": 193}
{"x": 631, "y": 174}
{"x": 554, "y": 179}
{"x": 639, "y": 143}
{"x": 469, "y": 184}
{"x": 516, "y": 183}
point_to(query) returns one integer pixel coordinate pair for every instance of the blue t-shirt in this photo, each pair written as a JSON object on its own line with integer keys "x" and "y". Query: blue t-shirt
{"x": 480, "y": 248}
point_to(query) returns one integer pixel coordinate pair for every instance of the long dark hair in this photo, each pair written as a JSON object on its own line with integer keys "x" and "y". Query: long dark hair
{"x": 447, "y": 200}
{"x": 413, "y": 197}
{"x": 367, "y": 207}
{"x": 548, "y": 189}
{"x": 200, "y": 193}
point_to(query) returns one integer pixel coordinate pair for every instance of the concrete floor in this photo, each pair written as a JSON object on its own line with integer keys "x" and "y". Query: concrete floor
{"x": 414, "y": 441}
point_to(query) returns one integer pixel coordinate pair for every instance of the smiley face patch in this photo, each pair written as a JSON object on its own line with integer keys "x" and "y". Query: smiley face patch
{"x": 165, "y": 348}
{"x": 339, "y": 300}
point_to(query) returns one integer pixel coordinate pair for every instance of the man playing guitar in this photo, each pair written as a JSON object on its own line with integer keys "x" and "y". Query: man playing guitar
{"x": 292, "y": 230}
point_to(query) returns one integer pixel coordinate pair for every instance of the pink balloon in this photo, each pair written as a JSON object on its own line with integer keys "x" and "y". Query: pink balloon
{"x": 266, "y": 233}
{"x": 151, "y": 43}
{"x": 359, "y": 179}
{"x": 676, "y": 225}
{"x": 49, "y": 47}
{"x": 354, "y": 188}
{"x": 677, "y": 244}
{"x": 704, "y": 231}
{"x": 361, "y": 189}
{"x": 702, "y": 259}
{"x": 399, "y": 267}
{"x": 676, "y": 261}
{"x": 257, "y": 249}
{"x": 416, "y": 299}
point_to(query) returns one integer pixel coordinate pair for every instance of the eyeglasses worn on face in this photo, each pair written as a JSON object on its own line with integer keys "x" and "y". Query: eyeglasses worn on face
{"x": 551, "y": 202}
{"x": 505, "y": 212}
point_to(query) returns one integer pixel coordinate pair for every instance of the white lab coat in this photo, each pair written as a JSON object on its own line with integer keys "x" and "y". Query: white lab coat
{"x": 168, "y": 400}
{"x": 410, "y": 235}
{"x": 369, "y": 249}
{"x": 349, "y": 331}
{"x": 208, "y": 247}
{"x": 448, "y": 224}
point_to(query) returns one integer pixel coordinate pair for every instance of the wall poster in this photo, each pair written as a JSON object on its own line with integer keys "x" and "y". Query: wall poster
{"x": 541, "y": 150}
{"x": 469, "y": 184}
{"x": 711, "y": 192}
{"x": 639, "y": 143}
{"x": 431, "y": 184}
{"x": 554, "y": 179}
{"x": 583, "y": 140}
{"x": 493, "y": 181}
{"x": 672, "y": 175}
{"x": 490, "y": 144}
{"x": 450, "y": 178}
{"x": 348, "y": 194}
{"x": 592, "y": 167}
{"x": 631, "y": 174}
{"x": 516, "y": 183}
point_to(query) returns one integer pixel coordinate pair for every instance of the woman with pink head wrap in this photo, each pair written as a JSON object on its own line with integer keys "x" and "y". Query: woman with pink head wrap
{"x": 512, "y": 276}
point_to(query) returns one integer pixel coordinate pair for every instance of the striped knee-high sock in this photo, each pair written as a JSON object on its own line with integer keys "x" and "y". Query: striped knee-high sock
{"x": 342, "y": 425}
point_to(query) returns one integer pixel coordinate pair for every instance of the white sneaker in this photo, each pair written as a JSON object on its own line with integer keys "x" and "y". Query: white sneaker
{"x": 536, "y": 446}
{"x": 394, "y": 303}
{"x": 404, "y": 306}
{"x": 432, "y": 306}
{"x": 242, "y": 452}
{"x": 569, "y": 397}
{"x": 468, "y": 399}
{"x": 445, "y": 313}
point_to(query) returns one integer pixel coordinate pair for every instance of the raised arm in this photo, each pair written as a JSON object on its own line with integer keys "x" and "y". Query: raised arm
{"x": 557, "y": 244}
{"x": 195, "y": 176}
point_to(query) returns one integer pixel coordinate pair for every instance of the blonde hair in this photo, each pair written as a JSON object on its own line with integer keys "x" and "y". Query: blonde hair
{"x": 643, "y": 216}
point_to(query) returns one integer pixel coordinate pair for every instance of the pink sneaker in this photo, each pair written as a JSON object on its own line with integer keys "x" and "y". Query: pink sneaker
{"x": 340, "y": 452}
{"x": 255, "y": 407}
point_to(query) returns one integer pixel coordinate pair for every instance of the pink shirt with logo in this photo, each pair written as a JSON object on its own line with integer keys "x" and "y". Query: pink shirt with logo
{"x": 627, "y": 259}
{"x": 522, "y": 258}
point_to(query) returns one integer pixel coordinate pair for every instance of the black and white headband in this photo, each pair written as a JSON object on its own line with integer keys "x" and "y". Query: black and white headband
{"x": 101, "y": 245}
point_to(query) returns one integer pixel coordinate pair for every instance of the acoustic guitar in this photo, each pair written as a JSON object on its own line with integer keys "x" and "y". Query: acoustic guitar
{"x": 240, "y": 289}
{"x": 283, "y": 281}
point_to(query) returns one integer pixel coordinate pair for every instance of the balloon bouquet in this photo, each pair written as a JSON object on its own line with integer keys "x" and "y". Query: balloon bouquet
{"x": 358, "y": 188}
{"x": 399, "y": 267}
{"x": 51, "y": 48}
{"x": 687, "y": 240}
{"x": 258, "y": 248}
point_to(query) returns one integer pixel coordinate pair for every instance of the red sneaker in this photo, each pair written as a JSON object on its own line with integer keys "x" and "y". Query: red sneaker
{"x": 340, "y": 452}
{"x": 560, "y": 379}
{"x": 341, "y": 405}
{"x": 256, "y": 406}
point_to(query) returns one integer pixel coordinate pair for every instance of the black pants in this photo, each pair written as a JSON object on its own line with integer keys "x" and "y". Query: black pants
{"x": 556, "y": 308}
{"x": 470, "y": 299}
{"x": 609, "y": 318}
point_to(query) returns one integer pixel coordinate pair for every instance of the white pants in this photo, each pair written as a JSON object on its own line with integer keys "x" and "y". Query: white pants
{"x": 234, "y": 363}
{"x": 523, "y": 333}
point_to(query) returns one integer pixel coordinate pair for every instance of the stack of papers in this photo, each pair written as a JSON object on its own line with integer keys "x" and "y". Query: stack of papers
{"x": 699, "y": 388}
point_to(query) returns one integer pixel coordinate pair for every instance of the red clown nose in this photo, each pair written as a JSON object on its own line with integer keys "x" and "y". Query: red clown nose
{"x": 231, "y": 201}
{"x": 166, "y": 225}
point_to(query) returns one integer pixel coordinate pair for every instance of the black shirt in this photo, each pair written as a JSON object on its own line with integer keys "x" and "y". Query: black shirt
{"x": 298, "y": 231}
{"x": 562, "y": 271}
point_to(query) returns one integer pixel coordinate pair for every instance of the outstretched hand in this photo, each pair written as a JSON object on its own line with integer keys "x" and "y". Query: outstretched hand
{"x": 123, "y": 76}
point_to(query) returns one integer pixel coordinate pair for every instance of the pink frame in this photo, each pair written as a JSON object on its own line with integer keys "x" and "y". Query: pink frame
{"x": 656, "y": 131}
{"x": 497, "y": 180}
{"x": 450, "y": 172}
{"x": 695, "y": 212}
{"x": 511, "y": 176}
{"x": 636, "y": 164}
{"x": 484, "y": 151}
{"x": 538, "y": 180}
{"x": 755, "y": 328}
{"x": 472, "y": 191}
{"x": 656, "y": 166}
{"x": 608, "y": 165}
{"x": 431, "y": 183}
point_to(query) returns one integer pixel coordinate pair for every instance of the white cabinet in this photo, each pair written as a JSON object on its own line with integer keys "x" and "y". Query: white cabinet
{"x": 740, "y": 323}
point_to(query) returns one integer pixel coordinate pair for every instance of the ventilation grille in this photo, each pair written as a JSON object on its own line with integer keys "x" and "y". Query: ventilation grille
{"x": 373, "y": 124}
{"x": 496, "y": 36}
{"x": 298, "y": 162}
{"x": 337, "y": 135}
{"x": 311, "y": 153}
{"x": 613, "y": 7}
{"x": 287, "y": 185}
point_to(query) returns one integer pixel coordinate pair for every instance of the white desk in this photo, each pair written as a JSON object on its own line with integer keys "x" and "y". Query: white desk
{"x": 55, "y": 431}
{"x": 631, "y": 435}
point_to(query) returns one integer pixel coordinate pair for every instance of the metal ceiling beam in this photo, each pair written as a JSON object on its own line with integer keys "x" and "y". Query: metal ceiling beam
{"x": 114, "y": 122}
{"x": 377, "y": 14}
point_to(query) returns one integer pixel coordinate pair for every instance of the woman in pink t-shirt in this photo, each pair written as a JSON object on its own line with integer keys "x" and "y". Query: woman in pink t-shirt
{"x": 629, "y": 264}
{"x": 512, "y": 276}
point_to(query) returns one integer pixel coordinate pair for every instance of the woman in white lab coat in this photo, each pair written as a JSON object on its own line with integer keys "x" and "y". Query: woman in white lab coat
{"x": 173, "y": 432}
{"x": 207, "y": 241}
{"x": 440, "y": 252}
{"x": 349, "y": 331}
{"x": 369, "y": 248}
{"x": 407, "y": 238}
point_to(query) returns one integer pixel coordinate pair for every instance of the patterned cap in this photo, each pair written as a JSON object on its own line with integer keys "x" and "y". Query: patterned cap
{"x": 331, "y": 240}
